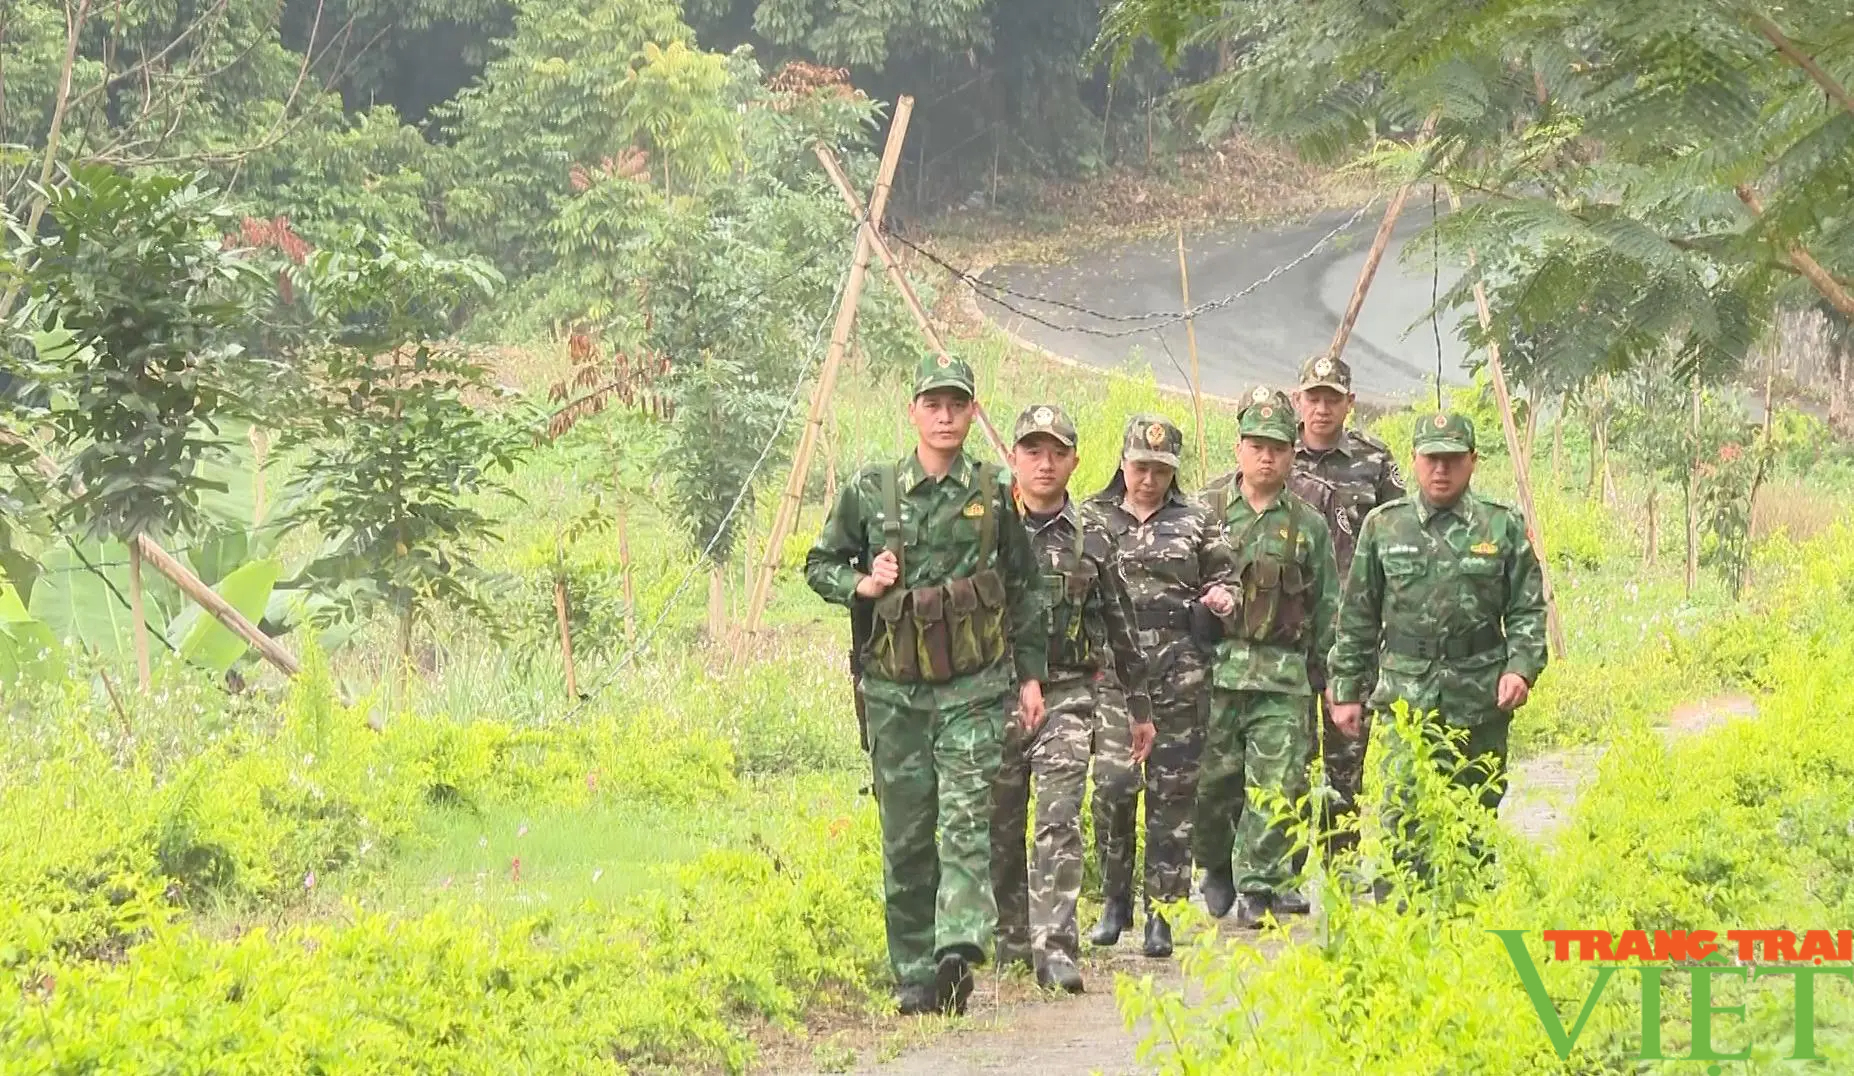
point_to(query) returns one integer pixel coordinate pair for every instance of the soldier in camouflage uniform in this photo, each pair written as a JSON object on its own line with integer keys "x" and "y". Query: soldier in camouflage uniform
{"x": 1446, "y": 602}
{"x": 1172, "y": 555}
{"x": 1090, "y": 643}
{"x": 1363, "y": 473}
{"x": 934, "y": 542}
{"x": 1274, "y": 636}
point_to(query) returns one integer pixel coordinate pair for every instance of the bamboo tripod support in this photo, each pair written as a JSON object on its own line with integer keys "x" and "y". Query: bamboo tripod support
{"x": 787, "y": 513}
{"x": 1375, "y": 256}
{"x": 1554, "y": 625}
{"x": 899, "y": 277}
{"x": 1197, "y": 387}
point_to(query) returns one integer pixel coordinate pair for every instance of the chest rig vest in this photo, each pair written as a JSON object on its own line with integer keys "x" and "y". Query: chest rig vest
{"x": 933, "y": 634}
{"x": 1070, "y": 645}
{"x": 1273, "y": 589}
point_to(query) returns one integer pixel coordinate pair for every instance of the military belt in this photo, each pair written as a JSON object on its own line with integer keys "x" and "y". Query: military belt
{"x": 1451, "y": 646}
{"x": 1173, "y": 619}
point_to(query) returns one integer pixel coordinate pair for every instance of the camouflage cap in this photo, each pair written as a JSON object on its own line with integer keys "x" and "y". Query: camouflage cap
{"x": 1324, "y": 371}
{"x": 1152, "y": 439}
{"x": 1269, "y": 418}
{"x": 938, "y": 370}
{"x": 1045, "y": 419}
{"x": 1443, "y": 432}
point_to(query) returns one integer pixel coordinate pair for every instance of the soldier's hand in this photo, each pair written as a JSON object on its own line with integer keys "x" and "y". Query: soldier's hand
{"x": 1512, "y": 692}
{"x": 1219, "y": 600}
{"x": 1030, "y": 705}
{"x": 1349, "y": 718}
{"x": 883, "y": 573}
{"x": 1143, "y": 734}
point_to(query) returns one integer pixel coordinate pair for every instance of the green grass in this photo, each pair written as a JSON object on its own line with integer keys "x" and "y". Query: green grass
{"x": 570, "y": 860}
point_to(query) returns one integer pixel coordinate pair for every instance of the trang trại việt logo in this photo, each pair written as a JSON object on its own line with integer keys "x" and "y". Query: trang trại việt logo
{"x": 1698, "y": 953}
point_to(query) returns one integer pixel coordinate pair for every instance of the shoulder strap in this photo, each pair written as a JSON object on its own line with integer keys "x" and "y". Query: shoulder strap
{"x": 988, "y": 523}
{"x": 1219, "y": 504}
{"x": 891, "y": 511}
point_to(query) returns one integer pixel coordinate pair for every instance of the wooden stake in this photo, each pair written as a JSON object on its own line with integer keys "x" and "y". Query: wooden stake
{"x": 624, "y": 568}
{"x": 1375, "y": 255}
{"x": 787, "y": 513}
{"x": 566, "y": 635}
{"x": 1554, "y": 626}
{"x": 717, "y": 604}
{"x": 1693, "y": 496}
{"x": 899, "y": 277}
{"x": 203, "y": 595}
{"x": 139, "y": 629}
{"x": 1532, "y": 427}
{"x": 1197, "y": 389}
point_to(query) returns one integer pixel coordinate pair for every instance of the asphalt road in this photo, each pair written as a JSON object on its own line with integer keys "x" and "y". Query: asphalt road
{"x": 1263, "y": 337}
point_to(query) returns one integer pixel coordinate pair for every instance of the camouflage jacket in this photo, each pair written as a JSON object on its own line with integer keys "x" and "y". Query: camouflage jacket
{"x": 1167, "y": 562}
{"x": 940, "y": 534}
{"x": 1445, "y": 601}
{"x": 1108, "y": 619}
{"x": 1319, "y": 494}
{"x": 1363, "y": 474}
{"x": 1242, "y": 665}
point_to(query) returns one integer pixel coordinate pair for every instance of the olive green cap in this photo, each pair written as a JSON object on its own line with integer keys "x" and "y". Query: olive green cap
{"x": 1270, "y": 418}
{"x": 1152, "y": 439}
{"x": 1324, "y": 371}
{"x": 1443, "y": 432}
{"x": 1046, "y": 419}
{"x": 938, "y": 370}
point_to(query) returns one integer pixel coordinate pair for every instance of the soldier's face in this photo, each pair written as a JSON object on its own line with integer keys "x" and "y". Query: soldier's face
{"x": 942, "y": 418}
{"x": 1444, "y": 476}
{"x": 1324, "y": 411}
{"x": 1264, "y": 463}
{"x": 1147, "y": 482}
{"x": 1043, "y": 465}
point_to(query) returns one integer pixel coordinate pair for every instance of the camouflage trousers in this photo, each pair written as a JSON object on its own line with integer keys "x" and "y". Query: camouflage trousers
{"x": 1256, "y": 741}
{"x": 1169, "y": 781}
{"x": 1036, "y": 899}
{"x": 935, "y": 759}
{"x": 1116, "y": 793}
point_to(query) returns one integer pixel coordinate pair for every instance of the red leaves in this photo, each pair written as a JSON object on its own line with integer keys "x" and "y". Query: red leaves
{"x": 596, "y": 384}
{"x": 631, "y": 163}
{"x": 273, "y": 234}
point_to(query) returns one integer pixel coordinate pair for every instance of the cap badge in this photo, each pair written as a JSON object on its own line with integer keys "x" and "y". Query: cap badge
{"x": 1268, "y": 412}
{"x": 1259, "y": 394}
{"x": 1441, "y": 421}
{"x": 1155, "y": 435}
{"x": 1043, "y": 416}
{"x": 1323, "y": 368}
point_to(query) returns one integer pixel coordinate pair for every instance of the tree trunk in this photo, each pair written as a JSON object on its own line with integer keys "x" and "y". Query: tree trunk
{"x": 566, "y": 636}
{"x": 1532, "y": 429}
{"x": 1107, "y": 130}
{"x": 623, "y": 524}
{"x": 717, "y": 603}
{"x": 1692, "y": 574}
{"x": 260, "y": 452}
{"x": 1557, "y": 441}
{"x": 1651, "y": 554}
{"x": 406, "y": 616}
{"x": 138, "y": 629}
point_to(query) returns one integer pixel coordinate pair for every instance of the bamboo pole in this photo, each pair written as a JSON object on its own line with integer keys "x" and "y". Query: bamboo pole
{"x": 1554, "y": 625}
{"x": 1375, "y": 256}
{"x": 566, "y": 635}
{"x": 787, "y": 512}
{"x": 899, "y": 277}
{"x": 1197, "y": 388}
{"x": 203, "y": 595}
{"x": 138, "y": 631}
{"x": 1805, "y": 263}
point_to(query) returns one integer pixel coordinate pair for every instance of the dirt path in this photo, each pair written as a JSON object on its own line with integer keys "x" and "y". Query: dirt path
{"x": 1014, "y": 1028}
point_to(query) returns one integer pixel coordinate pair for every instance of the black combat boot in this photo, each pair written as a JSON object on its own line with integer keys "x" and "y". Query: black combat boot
{"x": 952, "y": 984}
{"x": 1219, "y": 891}
{"x": 1290, "y": 903}
{"x": 1058, "y": 972}
{"x": 1250, "y": 908}
{"x": 1158, "y": 936}
{"x": 1116, "y": 917}
{"x": 916, "y": 999}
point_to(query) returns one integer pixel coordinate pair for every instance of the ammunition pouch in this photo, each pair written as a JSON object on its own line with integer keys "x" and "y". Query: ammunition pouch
{"x": 1206, "y": 628}
{"x": 930, "y": 635}
{"x": 1275, "y": 605}
{"x": 1070, "y": 645}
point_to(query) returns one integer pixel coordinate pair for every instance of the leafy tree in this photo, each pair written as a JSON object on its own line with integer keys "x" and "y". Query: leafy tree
{"x": 135, "y": 309}
{"x": 395, "y": 460}
{"x": 1641, "y": 172}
